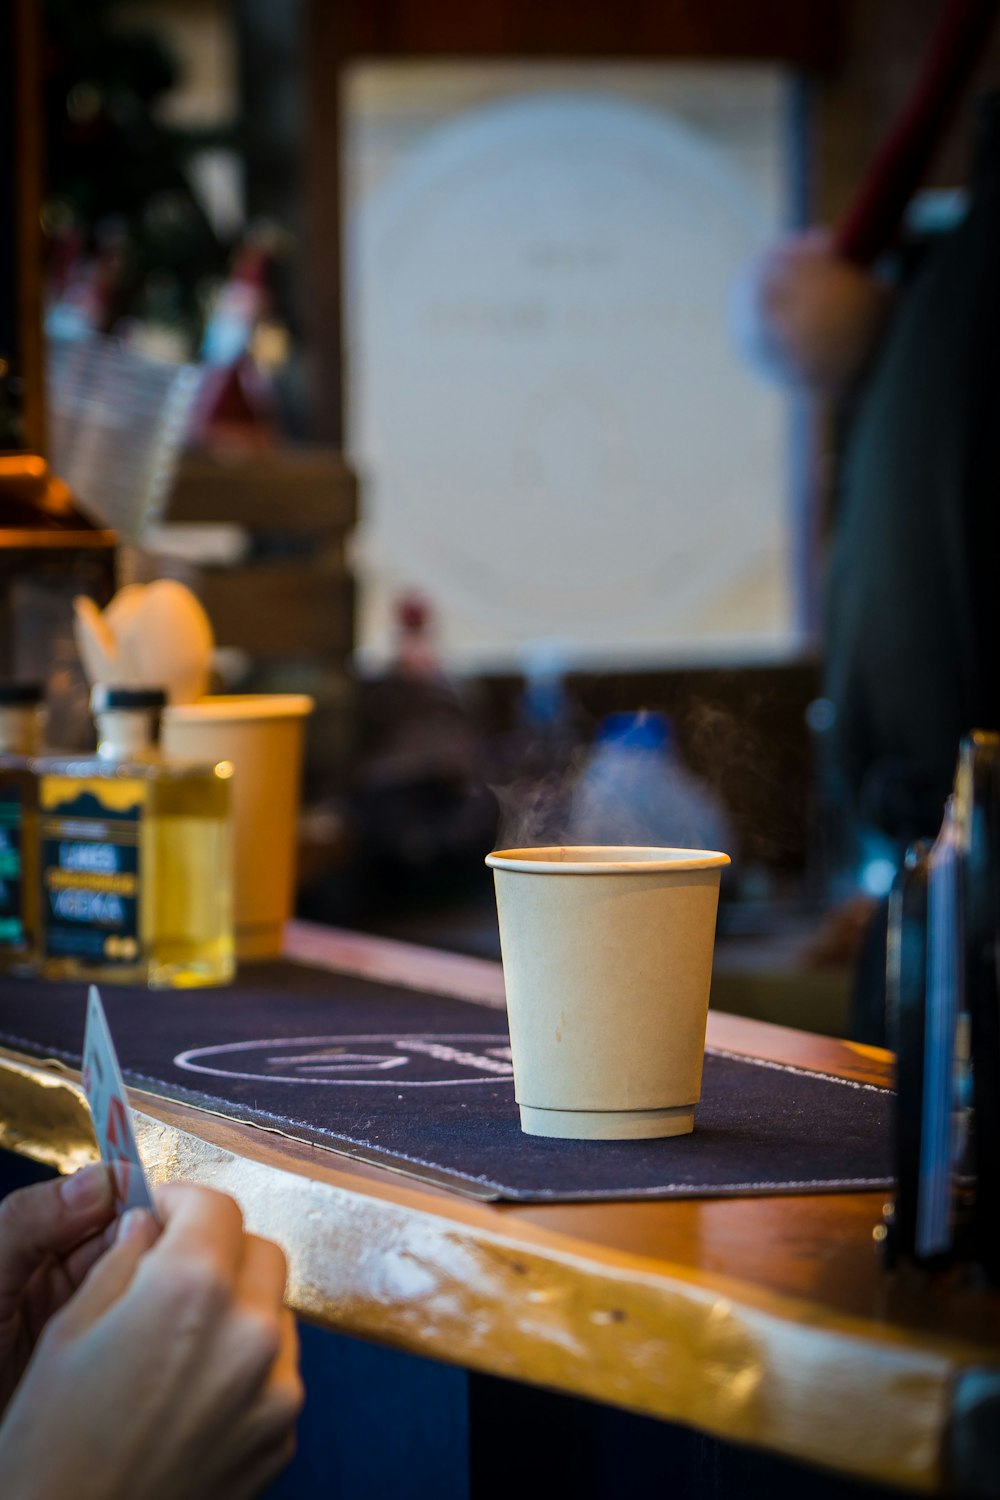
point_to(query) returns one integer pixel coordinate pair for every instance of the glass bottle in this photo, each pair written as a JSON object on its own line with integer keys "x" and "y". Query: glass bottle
{"x": 20, "y": 738}
{"x": 135, "y": 854}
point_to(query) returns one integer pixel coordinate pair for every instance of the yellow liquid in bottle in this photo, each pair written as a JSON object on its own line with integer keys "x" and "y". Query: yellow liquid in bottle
{"x": 188, "y": 917}
{"x": 136, "y": 877}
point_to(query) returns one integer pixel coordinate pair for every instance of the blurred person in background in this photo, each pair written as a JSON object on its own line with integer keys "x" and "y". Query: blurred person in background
{"x": 913, "y": 612}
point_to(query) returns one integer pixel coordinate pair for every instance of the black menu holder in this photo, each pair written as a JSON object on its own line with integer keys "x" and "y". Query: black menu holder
{"x": 978, "y": 799}
{"x": 943, "y": 997}
{"x": 906, "y": 989}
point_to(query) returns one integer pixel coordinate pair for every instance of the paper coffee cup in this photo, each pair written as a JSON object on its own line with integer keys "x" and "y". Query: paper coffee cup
{"x": 262, "y": 734}
{"x": 607, "y": 959}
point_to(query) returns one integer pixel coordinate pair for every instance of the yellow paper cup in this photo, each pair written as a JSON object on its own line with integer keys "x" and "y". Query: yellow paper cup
{"x": 262, "y": 734}
{"x": 607, "y": 959}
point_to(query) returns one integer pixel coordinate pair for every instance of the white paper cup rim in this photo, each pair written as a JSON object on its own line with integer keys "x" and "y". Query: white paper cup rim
{"x": 231, "y": 707}
{"x": 604, "y": 859}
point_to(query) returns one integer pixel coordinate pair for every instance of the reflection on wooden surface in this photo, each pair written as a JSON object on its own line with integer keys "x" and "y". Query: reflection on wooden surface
{"x": 764, "y": 1320}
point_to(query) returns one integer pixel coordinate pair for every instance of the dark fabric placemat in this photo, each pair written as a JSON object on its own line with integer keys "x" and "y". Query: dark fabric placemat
{"x": 421, "y": 1083}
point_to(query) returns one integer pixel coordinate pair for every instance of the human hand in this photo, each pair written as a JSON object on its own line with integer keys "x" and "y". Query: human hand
{"x": 172, "y": 1374}
{"x": 50, "y": 1236}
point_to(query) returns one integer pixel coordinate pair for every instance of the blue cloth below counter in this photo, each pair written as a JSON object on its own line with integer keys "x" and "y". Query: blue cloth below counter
{"x": 421, "y": 1084}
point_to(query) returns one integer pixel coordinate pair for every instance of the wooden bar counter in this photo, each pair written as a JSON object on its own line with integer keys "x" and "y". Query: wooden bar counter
{"x": 767, "y": 1321}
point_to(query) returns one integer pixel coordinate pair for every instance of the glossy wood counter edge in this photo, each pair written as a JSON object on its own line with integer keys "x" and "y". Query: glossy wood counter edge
{"x": 485, "y": 1291}
{"x": 537, "y": 1295}
{"x": 44, "y": 1115}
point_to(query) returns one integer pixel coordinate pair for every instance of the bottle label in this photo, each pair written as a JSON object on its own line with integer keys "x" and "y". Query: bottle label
{"x": 91, "y": 868}
{"x": 11, "y": 922}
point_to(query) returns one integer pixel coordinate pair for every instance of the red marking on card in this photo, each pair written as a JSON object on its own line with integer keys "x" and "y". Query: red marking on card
{"x": 118, "y": 1152}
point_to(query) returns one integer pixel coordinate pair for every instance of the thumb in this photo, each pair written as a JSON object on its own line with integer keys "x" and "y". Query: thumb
{"x": 110, "y": 1277}
{"x": 49, "y": 1218}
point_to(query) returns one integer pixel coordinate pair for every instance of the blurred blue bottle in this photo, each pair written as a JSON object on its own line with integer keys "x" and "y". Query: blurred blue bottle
{"x": 634, "y": 789}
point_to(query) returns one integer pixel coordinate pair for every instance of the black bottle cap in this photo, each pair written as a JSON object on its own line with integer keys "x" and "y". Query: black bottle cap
{"x": 21, "y": 694}
{"x": 104, "y": 698}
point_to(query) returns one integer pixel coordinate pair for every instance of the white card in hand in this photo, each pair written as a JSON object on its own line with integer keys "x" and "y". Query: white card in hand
{"x": 102, "y": 1083}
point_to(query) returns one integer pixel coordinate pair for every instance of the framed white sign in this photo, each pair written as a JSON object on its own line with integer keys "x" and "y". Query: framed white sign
{"x": 555, "y": 437}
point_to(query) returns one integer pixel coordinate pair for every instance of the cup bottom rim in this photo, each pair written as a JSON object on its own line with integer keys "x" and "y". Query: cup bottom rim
{"x": 607, "y": 1124}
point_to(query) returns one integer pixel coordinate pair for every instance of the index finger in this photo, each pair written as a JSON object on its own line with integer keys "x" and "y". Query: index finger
{"x": 199, "y": 1224}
